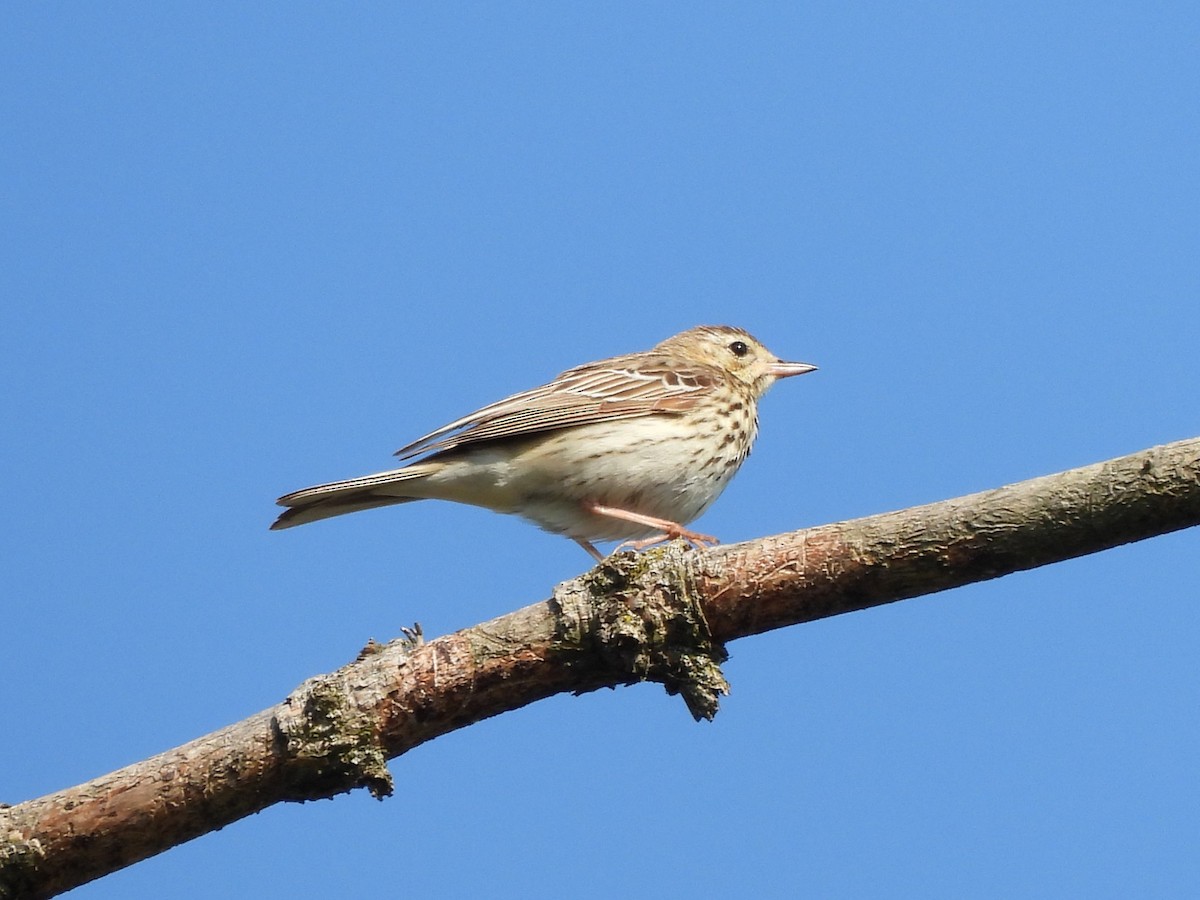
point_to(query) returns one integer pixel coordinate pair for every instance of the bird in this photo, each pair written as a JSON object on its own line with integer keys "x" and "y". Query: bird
{"x": 629, "y": 449}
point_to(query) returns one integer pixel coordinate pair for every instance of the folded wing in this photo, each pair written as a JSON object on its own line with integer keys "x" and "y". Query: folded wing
{"x": 598, "y": 392}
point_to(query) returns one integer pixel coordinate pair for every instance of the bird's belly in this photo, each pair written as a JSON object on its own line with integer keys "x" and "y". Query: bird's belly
{"x": 656, "y": 466}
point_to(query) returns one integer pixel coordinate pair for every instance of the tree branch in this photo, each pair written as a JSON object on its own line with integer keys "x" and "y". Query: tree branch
{"x": 662, "y": 616}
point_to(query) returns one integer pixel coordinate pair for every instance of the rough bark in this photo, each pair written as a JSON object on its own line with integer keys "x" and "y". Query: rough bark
{"x": 661, "y": 616}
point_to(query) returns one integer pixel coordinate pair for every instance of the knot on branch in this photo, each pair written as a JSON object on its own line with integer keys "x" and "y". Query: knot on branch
{"x": 331, "y": 747}
{"x": 329, "y": 731}
{"x": 639, "y": 615}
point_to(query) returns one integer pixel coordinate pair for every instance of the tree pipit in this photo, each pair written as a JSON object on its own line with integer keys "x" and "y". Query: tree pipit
{"x": 625, "y": 449}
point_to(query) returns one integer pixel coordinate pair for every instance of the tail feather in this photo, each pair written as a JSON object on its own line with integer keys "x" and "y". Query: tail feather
{"x": 326, "y": 509}
{"x": 340, "y": 497}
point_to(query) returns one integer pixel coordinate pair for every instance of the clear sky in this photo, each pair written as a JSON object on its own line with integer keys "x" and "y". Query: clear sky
{"x": 252, "y": 247}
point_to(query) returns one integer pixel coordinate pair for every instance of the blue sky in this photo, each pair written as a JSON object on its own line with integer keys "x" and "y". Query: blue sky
{"x": 246, "y": 250}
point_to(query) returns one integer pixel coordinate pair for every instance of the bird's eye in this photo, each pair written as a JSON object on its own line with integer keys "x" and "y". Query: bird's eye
{"x": 739, "y": 348}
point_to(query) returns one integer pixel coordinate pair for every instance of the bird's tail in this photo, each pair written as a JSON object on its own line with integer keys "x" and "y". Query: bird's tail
{"x": 352, "y": 495}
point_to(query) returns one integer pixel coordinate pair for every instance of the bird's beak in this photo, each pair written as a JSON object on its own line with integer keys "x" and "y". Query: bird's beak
{"x": 781, "y": 369}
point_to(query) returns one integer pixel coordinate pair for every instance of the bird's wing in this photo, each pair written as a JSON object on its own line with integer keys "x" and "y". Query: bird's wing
{"x": 620, "y": 388}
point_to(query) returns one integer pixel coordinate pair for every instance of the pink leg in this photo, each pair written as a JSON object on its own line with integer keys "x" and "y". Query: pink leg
{"x": 590, "y": 548}
{"x": 670, "y": 530}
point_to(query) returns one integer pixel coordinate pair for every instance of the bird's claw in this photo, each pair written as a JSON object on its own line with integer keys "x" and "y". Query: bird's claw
{"x": 694, "y": 538}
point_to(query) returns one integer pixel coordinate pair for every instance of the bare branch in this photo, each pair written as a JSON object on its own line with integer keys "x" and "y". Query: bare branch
{"x": 661, "y": 616}
{"x": 805, "y": 575}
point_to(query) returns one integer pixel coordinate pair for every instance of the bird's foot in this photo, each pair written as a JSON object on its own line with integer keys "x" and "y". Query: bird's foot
{"x": 670, "y": 530}
{"x": 700, "y": 541}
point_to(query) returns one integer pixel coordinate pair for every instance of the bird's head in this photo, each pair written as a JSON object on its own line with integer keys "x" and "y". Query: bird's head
{"x": 736, "y": 352}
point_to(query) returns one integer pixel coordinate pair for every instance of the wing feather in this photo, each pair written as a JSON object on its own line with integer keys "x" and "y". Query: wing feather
{"x": 624, "y": 387}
